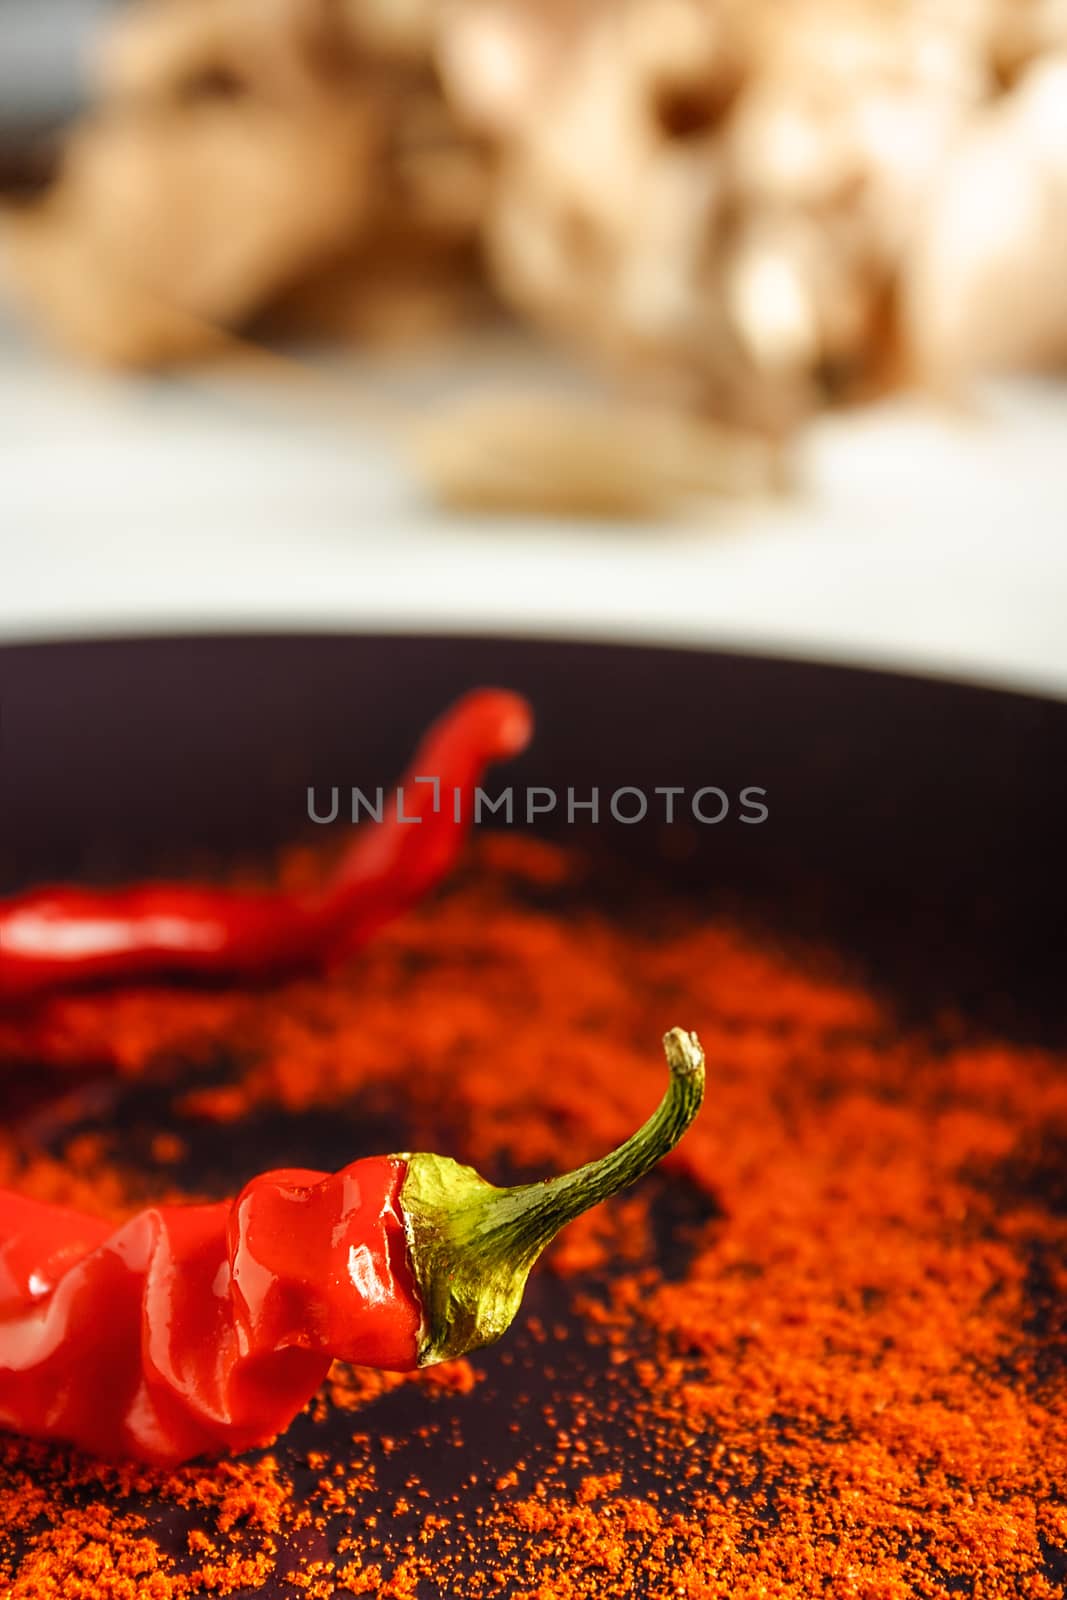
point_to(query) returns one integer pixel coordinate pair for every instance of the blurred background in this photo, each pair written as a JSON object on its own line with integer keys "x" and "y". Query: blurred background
{"x": 715, "y": 321}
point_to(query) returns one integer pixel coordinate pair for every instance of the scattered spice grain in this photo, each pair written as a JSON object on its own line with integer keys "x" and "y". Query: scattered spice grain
{"x": 823, "y": 1355}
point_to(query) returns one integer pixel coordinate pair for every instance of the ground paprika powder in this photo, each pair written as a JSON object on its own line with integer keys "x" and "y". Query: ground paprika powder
{"x": 822, "y": 1354}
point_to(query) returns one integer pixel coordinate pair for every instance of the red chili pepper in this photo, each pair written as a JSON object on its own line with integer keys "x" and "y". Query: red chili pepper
{"x": 51, "y": 938}
{"x": 205, "y": 1327}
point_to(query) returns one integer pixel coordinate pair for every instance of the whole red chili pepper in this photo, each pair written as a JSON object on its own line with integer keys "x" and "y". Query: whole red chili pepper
{"x": 206, "y": 1327}
{"x": 54, "y": 937}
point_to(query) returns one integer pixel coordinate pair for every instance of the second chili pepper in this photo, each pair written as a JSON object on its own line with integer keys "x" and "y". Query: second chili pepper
{"x": 53, "y": 937}
{"x": 207, "y": 1327}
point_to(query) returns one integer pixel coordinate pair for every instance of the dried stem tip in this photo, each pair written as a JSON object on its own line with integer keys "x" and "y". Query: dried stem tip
{"x": 472, "y": 1245}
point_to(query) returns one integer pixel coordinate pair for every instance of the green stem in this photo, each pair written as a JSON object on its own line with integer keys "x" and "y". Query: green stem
{"x": 471, "y": 1245}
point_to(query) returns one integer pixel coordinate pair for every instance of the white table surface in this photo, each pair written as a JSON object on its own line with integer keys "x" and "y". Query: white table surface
{"x": 921, "y": 540}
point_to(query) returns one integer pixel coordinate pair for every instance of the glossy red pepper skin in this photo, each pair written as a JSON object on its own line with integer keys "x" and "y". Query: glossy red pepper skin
{"x": 51, "y": 938}
{"x": 193, "y": 1329}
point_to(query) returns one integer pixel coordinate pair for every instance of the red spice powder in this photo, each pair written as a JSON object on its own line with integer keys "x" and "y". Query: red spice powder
{"x": 823, "y": 1353}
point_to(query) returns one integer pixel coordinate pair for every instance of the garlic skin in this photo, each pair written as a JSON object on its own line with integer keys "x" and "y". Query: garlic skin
{"x": 756, "y": 209}
{"x": 740, "y": 208}
{"x": 985, "y": 284}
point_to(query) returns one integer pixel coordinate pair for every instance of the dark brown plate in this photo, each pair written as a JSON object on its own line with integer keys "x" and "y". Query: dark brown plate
{"x": 919, "y": 824}
{"x": 922, "y": 823}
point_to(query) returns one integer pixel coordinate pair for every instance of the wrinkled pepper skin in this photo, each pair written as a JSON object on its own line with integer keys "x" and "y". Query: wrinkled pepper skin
{"x": 198, "y": 1328}
{"x": 193, "y": 1329}
{"x": 52, "y": 938}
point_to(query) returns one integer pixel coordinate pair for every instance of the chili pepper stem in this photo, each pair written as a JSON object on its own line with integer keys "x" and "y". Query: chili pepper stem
{"x": 471, "y": 1245}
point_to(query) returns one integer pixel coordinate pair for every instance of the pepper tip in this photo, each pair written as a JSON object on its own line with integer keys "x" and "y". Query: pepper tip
{"x": 685, "y": 1058}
